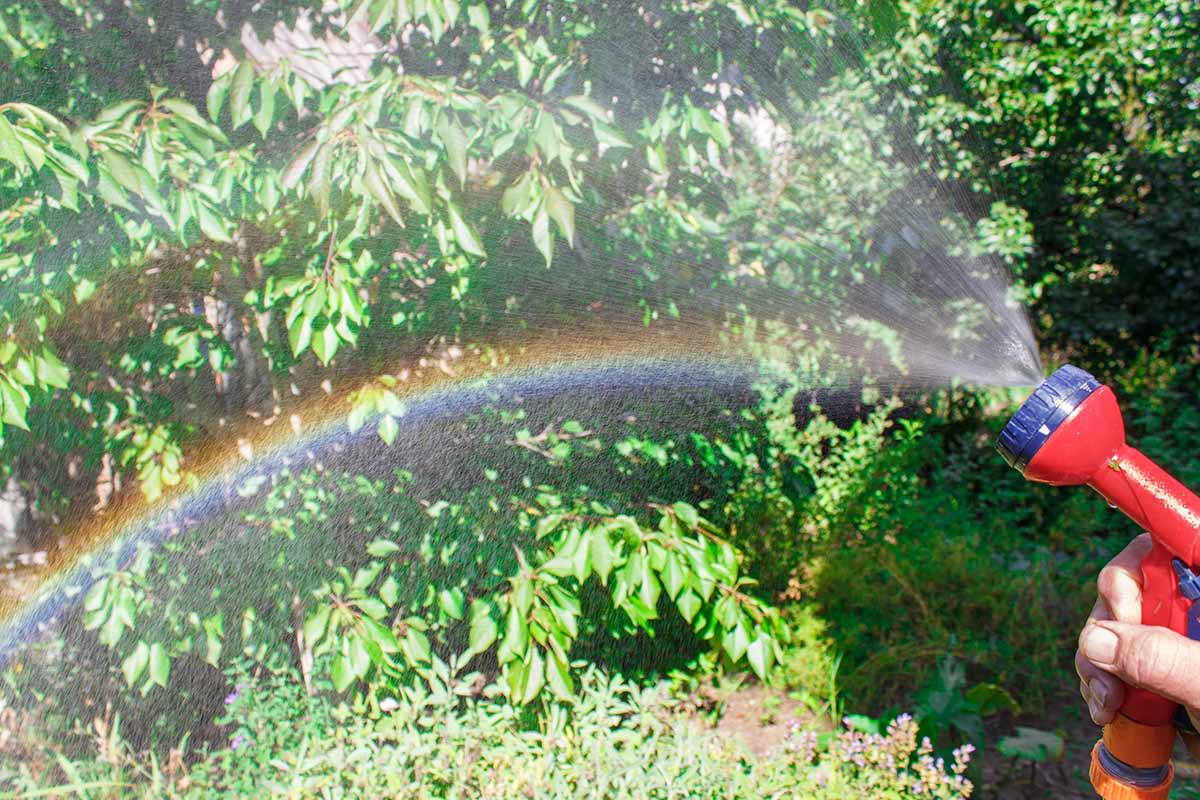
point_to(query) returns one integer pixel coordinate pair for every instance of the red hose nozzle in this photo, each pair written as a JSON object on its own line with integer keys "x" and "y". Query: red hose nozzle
{"x": 1070, "y": 432}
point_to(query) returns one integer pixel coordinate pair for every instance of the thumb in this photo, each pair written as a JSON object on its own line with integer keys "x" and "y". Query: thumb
{"x": 1146, "y": 656}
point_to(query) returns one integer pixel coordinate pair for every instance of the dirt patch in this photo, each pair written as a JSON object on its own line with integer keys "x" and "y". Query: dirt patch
{"x": 762, "y": 718}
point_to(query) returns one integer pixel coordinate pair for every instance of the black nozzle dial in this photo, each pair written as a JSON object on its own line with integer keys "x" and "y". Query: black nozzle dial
{"x": 1040, "y": 415}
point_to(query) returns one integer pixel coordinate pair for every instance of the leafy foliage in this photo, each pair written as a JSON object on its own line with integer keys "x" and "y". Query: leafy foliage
{"x": 286, "y": 742}
{"x": 514, "y": 607}
{"x": 1076, "y": 114}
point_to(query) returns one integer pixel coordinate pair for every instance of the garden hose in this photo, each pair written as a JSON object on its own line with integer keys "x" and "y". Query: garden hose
{"x": 1068, "y": 433}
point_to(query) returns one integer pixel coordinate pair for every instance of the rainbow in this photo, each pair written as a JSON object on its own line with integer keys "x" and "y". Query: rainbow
{"x": 551, "y": 366}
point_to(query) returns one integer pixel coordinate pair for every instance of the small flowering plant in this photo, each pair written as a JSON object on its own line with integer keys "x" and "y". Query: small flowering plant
{"x": 233, "y": 707}
{"x": 897, "y": 763}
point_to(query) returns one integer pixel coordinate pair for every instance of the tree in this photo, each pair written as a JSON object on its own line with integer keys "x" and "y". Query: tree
{"x": 235, "y": 219}
{"x": 240, "y": 223}
{"x": 1082, "y": 115}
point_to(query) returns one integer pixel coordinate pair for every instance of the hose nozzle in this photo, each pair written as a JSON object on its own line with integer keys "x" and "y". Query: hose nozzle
{"x": 1068, "y": 433}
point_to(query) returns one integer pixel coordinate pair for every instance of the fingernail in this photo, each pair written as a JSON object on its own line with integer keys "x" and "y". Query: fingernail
{"x": 1100, "y": 692}
{"x": 1100, "y": 645}
{"x": 1094, "y": 709}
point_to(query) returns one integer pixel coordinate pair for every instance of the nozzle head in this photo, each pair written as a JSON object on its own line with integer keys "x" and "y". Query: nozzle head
{"x": 1040, "y": 416}
{"x": 1121, "y": 785}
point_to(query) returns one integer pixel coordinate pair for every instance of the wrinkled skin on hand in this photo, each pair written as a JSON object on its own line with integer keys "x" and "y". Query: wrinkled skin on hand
{"x": 1116, "y": 650}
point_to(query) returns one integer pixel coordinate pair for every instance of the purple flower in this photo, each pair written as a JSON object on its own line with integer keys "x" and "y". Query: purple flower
{"x": 232, "y": 697}
{"x": 238, "y": 741}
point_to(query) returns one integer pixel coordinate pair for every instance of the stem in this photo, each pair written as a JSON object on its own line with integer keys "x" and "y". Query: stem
{"x": 327, "y": 270}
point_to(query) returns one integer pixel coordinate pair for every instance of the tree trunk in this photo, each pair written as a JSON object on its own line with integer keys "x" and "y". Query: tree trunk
{"x": 16, "y": 519}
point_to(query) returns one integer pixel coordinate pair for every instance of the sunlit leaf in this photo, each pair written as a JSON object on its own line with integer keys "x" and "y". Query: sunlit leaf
{"x": 562, "y": 211}
{"x": 160, "y": 665}
{"x": 239, "y": 94}
{"x": 541, "y": 234}
{"x": 135, "y": 663}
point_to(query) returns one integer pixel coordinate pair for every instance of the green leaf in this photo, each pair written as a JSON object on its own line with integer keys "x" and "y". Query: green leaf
{"x": 382, "y": 636}
{"x": 648, "y": 592}
{"x": 212, "y": 650}
{"x": 389, "y": 590}
{"x": 516, "y": 636}
{"x": 600, "y": 549}
{"x": 388, "y": 428}
{"x": 455, "y": 140}
{"x": 216, "y": 96}
{"x": 479, "y": 19}
{"x": 23, "y": 372}
{"x": 300, "y": 333}
{"x": 266, "y": 109}
{"x": 341, "y": 672}
{"x": 365, "y": 576}
{"x": 211, "y": 225}
{"x": 239, "y": 94}
{"x": 483, "y": 630}
{"x": 562, "y": 211}
{"x": 315, "y": 625}
{"x": 558, "y": 676}
{"x": 588, "y": 106}
{"x": 325, "y": 343}
{"x": 357, "y": 656}
{"x": 541, "y": 234}
{"x": 547, "y": 524}
{"x": 122, "y": 171}
{"x": 546, "y": 137}
{"x": 135, "y": 663}
{"x": 16, "y": 404}
{"x": 516, "y": 198}
{"x": 373, "y": 608}
{"x": 299, "y": 164}
{"x": 608, "y": 135}
{"x": 112, "y": 193}
{"x": 187, "y": 112}
{"x": 381, "y": 548}
{"x": 160, "y": 665}
{"x": 863, "y": 724}
{"x": 534, "y": 675}
{"x": 522, "y": 595}
{"x": 1032, "y": 744}
{"x": 416, "y": 646}
{"x": 687, "y": 515}
{"x": 319, "y": 185}
{"x": 83, "y": 290}
{"x": 96, "y": 596}
{"x": 672, "y": 575}
{"x": 466, "y": 237}
{"x": 989, "y": 698}
{"x": 451, "y": 601}
{"x": 378, "y": 190}
{"x": 10, "y": 146}
{"x": 736, "y": 641}
{"x": 410, "y": 183}
{"x": 688, "y": 604}
{"x": 761, "y": 655}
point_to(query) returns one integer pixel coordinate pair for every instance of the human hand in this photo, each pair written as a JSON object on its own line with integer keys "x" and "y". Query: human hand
{"x": 1115, "y": 649}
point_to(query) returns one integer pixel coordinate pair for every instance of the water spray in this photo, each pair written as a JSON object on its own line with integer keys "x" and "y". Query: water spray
{"x": 1068, "y": 433}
